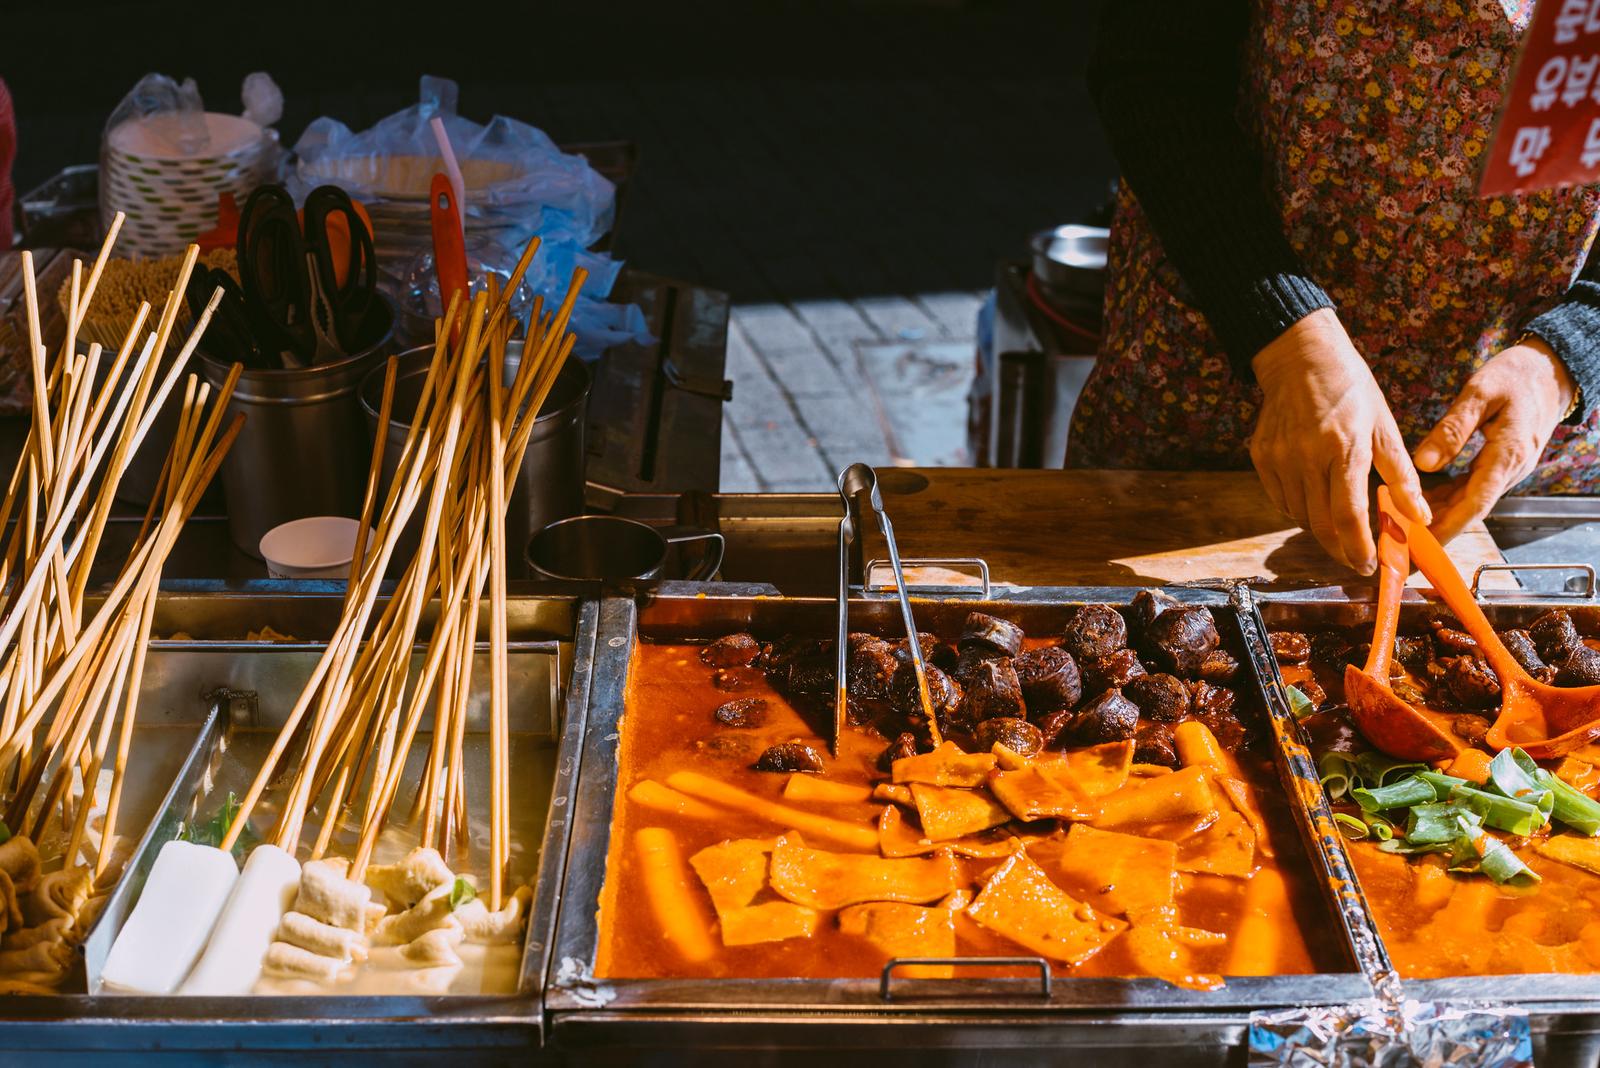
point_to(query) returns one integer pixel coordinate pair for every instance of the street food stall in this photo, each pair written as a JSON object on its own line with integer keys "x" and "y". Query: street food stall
{"x": 382, "y": 678}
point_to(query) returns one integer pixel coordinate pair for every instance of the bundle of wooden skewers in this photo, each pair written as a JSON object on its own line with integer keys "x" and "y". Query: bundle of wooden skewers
{"x": 343, "y": 749}
{"x": 70, "y": 677}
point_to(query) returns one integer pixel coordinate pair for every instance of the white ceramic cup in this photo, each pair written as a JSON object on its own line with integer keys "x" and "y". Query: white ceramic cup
{"x": 317, "y": 547}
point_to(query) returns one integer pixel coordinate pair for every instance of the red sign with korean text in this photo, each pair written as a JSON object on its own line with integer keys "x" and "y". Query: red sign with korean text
{"x": 1549, "y": 129}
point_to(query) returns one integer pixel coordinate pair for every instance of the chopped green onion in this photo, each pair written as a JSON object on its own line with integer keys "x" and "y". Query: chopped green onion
{"x": 1382, "y": 830}
{"x": 1376, "y": 769}
{"x": 1442, "y": 783}
{"x": 1406, "y": 849}
{"x": 1498, "y": 862}
{"x": 1507, "y": 813}
{"x": 1412, "y": 790}
{"x": 1300, "y": 705}
{"x": 1572, "y": 807}
{"x": 461, "y": 892}
{"x": 1440, "y": 822}
{"x": 1352, "y": 827}
{"x": 1516, "y": 778}
{"x": 5, "y": 833}
{"x": 1338, "y": 774}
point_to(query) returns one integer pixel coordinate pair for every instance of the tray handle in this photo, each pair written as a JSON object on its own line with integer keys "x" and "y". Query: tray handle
{"x": 1586, "y": 570}
{"x": 975, "y": 563}
{"x": 885, "y": 994}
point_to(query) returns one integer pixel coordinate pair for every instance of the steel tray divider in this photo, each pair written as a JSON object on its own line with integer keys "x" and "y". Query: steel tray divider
{"x": 586, "y": 1008}
{"x": 1313, "y": 814}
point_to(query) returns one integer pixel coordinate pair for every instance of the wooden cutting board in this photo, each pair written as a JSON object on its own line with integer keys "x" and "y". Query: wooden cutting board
{"x": 1117, "y": 528}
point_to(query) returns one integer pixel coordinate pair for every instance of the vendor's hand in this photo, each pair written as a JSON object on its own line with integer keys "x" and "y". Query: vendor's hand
{"x": 1517, "y": 400}
{"x": 1324, "y": 425}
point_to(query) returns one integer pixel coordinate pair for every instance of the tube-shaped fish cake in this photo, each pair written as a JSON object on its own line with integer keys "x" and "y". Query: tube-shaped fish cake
{"x": 413, "y": 878}
{"x": 43, "y": 956}
{"x": 434, "y": 948}
{"x": 323, "y": 939}
{"x": 432, "y": 911}
{"x": 60, "y": 893}
{"x": 231, "y": 963}
{"x": 284, "y": 961}
{"x": 172, "y": 921}
{"x": 50, "y": 931}
{"x": 325, "y": 894}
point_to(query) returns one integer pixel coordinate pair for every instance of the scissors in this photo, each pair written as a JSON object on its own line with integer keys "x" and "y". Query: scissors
{"x": 300, "y": 311}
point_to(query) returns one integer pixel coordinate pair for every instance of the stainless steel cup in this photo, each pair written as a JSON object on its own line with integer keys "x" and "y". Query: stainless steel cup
{"x": 609, "y": 548}
{"x": 551, "y": 483}
{"x": 304, "y": 449}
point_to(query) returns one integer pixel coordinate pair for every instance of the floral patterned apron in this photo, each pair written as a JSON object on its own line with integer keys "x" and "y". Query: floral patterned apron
{"x": 1372, "y": 116}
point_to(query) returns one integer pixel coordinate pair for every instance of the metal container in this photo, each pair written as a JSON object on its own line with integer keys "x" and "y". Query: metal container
{"x": 550, "y": 484}
{"x": 244, "y": 689}
{"x": 303, "y": 450}
{"x": 970, "y": 1021}
{"x": 1563, "y": 1010}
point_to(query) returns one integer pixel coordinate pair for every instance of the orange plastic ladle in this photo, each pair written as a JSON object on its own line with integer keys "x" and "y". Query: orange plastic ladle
{"x": 1392, "y": 726}
{"x": 1546, "y": 721}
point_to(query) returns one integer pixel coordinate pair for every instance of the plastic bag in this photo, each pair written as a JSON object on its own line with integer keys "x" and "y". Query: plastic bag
{"x": 171, "y": 113}
{"x": 518, "y": 182}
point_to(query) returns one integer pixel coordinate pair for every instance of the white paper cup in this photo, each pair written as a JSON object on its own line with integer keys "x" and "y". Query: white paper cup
{"x": 317, "y": 547}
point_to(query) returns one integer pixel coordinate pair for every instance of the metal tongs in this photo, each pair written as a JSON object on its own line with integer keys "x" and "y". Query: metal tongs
{"x": 853, "y": 482}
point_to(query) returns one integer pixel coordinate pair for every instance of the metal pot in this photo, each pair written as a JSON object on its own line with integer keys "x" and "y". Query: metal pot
{"x": 303, "y": 450}
{"x": 609, "y": 548}
{"x": 550, "y": 484}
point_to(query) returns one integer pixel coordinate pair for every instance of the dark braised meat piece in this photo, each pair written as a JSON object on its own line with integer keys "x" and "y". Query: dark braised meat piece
{"x": 1334, "y": 648}
{"x": 726, "y": 746}
{"x": 790, "y": 756}
{"x": 902, "y": 647}
{"x": 730, "y": 679}
{"x": 1214, "y": 706}
{"x": 1469, "y": 728}
{"x": 1153, "y": 744}
{"x": 1219, "y": 666}
{"x": 744, "y": 712}
{"x": 1147, "y": 604}
{"x": 1580, "y": 668}
{"x": 871, "y": 669}
{"x": 1160, "y": 697}
{"x": 777, "y": 656}
{"x": 812, "y": 674}
{"x": 969, "y": 658}
{"x": 1053, "y": 726}
{"x": 992, "y": 689}
{"x": 1049, "y": 678}
{"x": 943, "y": 691}
{"x": 731, "y": 650}
{"x": 1313, "y": 691}
{"x": 1111, "y": 672}
{"x": 1180, "y": 639}
{"x": 1409, "y": 693}
{"x": 1017, "y": 735}
{"x": 904, "y": 745}
{"x": 1290, "y": 646}
{"x": 1097, "y": 630}
{"x": 1471, "y": 682}
{"x": 1413, "y": 652}
{"x": 1451, "y": 639}
{"x": 1555, "y": 635}
{"x": 998, "y": 635}
{"x": 1519, "y": 643}
{"x": 1110, "y": 717}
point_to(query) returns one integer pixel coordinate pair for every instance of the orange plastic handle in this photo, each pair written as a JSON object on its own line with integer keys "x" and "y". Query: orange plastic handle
{"x": 449, "y": 244}
{"x": 1394, "y": 564}
{"x": 1440, "y": 570}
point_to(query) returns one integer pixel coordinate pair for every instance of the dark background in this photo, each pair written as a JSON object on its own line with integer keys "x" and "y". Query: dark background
{"x": 788, "y": 148}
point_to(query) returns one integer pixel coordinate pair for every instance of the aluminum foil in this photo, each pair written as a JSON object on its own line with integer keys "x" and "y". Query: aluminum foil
{"x": 1379, "y": 1034}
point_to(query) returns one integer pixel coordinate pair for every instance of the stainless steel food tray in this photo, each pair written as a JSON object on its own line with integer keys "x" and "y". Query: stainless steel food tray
{"x": 1141, "y": 1017}
{"x": 1563, "y": 1010}
{"x": 231, "y": 686}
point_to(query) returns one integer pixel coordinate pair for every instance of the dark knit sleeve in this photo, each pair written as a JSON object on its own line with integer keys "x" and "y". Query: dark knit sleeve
{"x": 1572, "y": 330}
{"x": 1165, "y": 77}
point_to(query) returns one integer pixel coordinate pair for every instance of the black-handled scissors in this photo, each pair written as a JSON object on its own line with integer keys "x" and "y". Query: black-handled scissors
{"x": 273, "y": 277}
{"x": 349, "y": 305}
{"x": 231, "y": 335}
